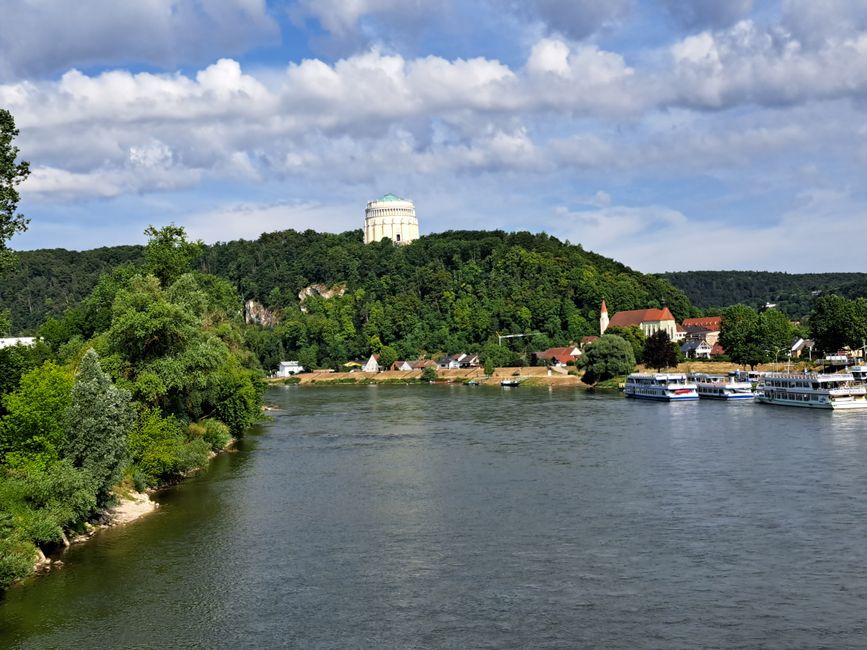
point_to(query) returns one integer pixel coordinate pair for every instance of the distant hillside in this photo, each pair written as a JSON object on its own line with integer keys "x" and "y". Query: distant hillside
{"x": 794, "y": 293}
{"x": 47, "y": 282}
{"x": 445, "y": 290}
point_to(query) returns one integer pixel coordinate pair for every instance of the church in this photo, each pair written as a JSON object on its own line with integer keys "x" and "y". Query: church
{"x": 390, "y": 216}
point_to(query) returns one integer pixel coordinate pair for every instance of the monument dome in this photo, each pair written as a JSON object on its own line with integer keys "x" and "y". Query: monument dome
{"x": 390, "y": 216}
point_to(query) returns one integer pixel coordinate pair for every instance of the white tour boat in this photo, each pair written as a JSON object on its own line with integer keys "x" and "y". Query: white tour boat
{"x": 812, "y": 390}
{"x": 859, "y": 373}
{"x": 722, "y": 387}
{"x": 669, "y": 387}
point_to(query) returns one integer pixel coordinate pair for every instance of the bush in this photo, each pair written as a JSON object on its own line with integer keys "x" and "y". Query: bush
{"x": 429, "y": 373}
{"x": 216, "y": 434}
{"x": 161, "y": 451}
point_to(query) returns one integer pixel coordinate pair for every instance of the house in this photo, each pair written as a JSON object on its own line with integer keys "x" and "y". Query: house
{"x": 706, "y": 327}
{"x": 587, "y": 340}
{"x": 460, "y": 360}
{"x": 800, "y": 346}
{"x": 649, "y": 320}
{"x": 696, "y": 349}
{"x": 717, "y": 350}
{"x": 421, "y": 364}
{"x": 372, "y": 364}
{"x": 289, "y": 368}
{"x": 17, "y": 340}
{"x": 559, "y": 356}
{"x": 403, "y": 366}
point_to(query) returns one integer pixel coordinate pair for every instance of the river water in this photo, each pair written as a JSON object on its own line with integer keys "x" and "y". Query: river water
{"x": 462, "y": 517}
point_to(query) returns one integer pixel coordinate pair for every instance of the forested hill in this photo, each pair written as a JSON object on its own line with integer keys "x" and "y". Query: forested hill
{"x": 793, "y": 293}
{"x": 446, "y": 290}
{"x": 47, "y": 282}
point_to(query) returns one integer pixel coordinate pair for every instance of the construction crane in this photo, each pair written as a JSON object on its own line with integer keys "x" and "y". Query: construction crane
{"x": 500, "y": 337}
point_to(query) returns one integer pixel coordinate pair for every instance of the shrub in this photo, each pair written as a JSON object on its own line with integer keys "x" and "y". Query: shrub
{"x": 217, "y": 434}
{"x": 429, "y": 373}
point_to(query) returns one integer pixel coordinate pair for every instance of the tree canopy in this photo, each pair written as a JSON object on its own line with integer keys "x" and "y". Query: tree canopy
{"x": 608, "y": 357}
{"x": 659, "y": 351}
{"x": 12, "y": 173}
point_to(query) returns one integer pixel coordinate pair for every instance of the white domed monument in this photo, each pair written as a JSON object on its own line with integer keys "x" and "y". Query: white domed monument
{"x": 392, "y": 217}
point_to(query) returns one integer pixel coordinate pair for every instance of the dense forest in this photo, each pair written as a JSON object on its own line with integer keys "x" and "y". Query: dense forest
{"x": 447, "y": 292}
{"x": 793, "y": 293}
{"x": 47, "y": 282}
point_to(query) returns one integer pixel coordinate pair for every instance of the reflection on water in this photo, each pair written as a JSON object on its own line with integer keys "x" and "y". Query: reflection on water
{"x": 455, "y": 517}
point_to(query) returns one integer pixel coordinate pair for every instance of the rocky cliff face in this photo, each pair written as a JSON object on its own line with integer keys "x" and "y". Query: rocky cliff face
{"x": 320, "y": 290}
{"x": 256, "y": 313}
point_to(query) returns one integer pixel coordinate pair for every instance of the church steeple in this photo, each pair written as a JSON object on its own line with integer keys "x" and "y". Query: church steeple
{"x": 603, "y": 318}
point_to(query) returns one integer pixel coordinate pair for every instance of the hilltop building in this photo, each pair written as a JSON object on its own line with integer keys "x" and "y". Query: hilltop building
{"x": 391, "y": 217}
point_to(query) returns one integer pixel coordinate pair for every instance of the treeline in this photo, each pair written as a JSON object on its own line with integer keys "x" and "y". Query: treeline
{"x": 793, "y": 293}
{"x": 47, "y": 282}
{"x": 448, "y": 292}
{"x": 133, "y": 387}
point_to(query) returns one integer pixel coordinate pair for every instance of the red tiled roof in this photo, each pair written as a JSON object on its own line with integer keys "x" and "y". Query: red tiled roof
{"x": 423, "y": 363}
{"x": 717, "y": 350}
{"x": 563, "y": 355}
{"x": 712, "y": 323}
{"x": 588, "y": 339}
{"x": 636, "y": 317}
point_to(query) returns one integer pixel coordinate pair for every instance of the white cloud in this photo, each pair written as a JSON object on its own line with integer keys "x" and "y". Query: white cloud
{"x": 749, "y": 64}
{"x": 654, "y": 239}
{"x": 249, "y": 220}
{"x": 54, "y": 35}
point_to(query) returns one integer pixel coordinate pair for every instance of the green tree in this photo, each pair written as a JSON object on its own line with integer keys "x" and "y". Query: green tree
{"x": 607, "y": 357}
{"x": 33, "y": 430}
{"x": 387, "y": 356}
{"x": 740, "y": 336}
{"x": 429, "y": 373}
{"x": 169, "y": 254}
{"x": 633, "y": 335}
{"x": 659, "y": 351}
{"x": 98, "y": 421}
{"x": 12, "y": 174}
{"x": 836, "y": 322}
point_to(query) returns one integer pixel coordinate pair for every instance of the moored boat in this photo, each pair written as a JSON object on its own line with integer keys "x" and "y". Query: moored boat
{"x": 669, "y": 387}
{"x": 510, "y": 383}
{"x": 838, "y": 391}
{"x": 722, "y": 387}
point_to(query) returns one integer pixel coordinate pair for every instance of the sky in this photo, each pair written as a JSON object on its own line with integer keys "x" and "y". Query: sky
{"x": 667, "y": 134}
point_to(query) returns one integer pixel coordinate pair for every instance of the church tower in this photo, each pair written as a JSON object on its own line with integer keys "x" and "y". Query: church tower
{"x": 603, "y": 319}
{"x": 392, "y": 217}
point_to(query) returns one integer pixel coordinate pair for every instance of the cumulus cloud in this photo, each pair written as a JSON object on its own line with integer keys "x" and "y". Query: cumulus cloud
{"x": 654, "y": 239}
{"x": 750, "y": 64}
{"x": 816, "y": 24}
{"x": 53, "y": 35}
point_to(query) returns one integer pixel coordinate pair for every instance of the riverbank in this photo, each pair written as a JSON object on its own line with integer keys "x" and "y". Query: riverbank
{"x": 529, "y": 376}
{"x": 130, "y": 506}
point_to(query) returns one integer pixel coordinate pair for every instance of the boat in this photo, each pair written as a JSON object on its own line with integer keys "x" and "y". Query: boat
{"x": 669, "y": 387}
{"x": 837, "y": 391}
{"x": 859, "y": 373}
{"x": 722, "y": 387}
{"x": 510, "y": 383}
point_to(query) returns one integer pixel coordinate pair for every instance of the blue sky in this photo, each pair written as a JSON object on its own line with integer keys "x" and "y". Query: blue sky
{"x": 668, "y": 134}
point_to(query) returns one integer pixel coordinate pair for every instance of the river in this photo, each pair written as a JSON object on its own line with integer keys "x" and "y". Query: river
{"x": 474, "y": 517}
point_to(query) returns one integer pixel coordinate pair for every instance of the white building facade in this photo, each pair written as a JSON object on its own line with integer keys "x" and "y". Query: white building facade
{"x": 391, "y": 217}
